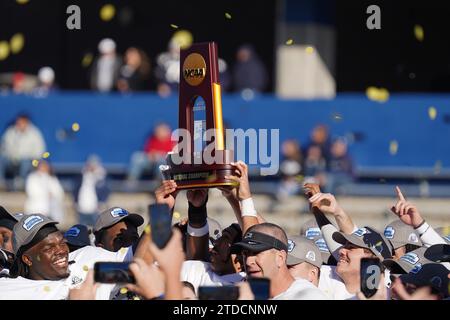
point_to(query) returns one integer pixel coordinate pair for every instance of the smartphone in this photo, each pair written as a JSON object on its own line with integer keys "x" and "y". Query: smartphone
{"x": 113, "y": 272}
{"x": 370, "y": 276}
{"x": 260, "y": 287}
{"x": 161, "y": 224}
{"x": 218, "y": 293}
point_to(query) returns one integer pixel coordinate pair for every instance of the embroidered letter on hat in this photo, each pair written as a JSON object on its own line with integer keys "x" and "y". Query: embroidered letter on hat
{"x": 30, "y": 222}
{"x": 311, "y": 256}
{"x": 291, "y": 245}
{"x": 413, "y": 238}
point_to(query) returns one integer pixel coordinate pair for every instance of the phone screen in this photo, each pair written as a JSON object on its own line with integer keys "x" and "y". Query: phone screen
{"x": 161, "y": 224}
{"x": 113, "y": 272}
{"x": 370, "y": 276}
{"x": 260, "y": 288}
{"x": 218, "y": 293}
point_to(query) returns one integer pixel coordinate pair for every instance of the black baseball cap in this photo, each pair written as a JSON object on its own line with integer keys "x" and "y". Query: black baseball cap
{"x": 7, "y": 219}
{"x": 78, "y": 235}
{"x": 438, "y": 253}
{"x": 256, "y": 242}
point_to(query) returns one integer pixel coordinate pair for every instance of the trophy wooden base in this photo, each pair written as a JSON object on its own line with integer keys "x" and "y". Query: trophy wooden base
{"x": 198, "y": 176}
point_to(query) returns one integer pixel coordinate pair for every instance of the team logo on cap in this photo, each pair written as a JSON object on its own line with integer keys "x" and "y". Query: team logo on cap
{"x": 311, "y": 233}
{"x": 249, "y": 235}
{"x": 119, "y": 212}
{"x": 322, "y": 245}
{"x": 30, "y": 222}
{"x": 413, "y": 238}
{"x": 291, "y": 245}
{"x": 389, "y": 232}
{"x": 72, "y": 232}
{"x": 311, "y": 256}
{"x": 361, "y": 232}
{"x": 416, "y": 268}
{"x": 410, "y": 257}
{"x": 436, "y": 281}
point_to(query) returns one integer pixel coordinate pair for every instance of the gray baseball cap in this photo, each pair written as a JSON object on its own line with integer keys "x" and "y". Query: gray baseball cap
{"x": 401, "y": 234}
{"x": 301, "y": 249}
{"x": 368, "y": 238}
{"x": 26, "y": 229}
{"x": 410, "y": 262}
{"x": 114, "y": 215}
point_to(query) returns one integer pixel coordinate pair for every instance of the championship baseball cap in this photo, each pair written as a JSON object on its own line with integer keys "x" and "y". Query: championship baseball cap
{"x": 114, "y": 215}
{"x": 401, "y": 234}
{"x": 368, "y": 238}
{"x": 78, "y": 235}
{"x": 410, "y": 262}
{"x": 301, "y": 249}
{"x": 438, "y": 253}
{"x": 215, "y": 231}
{"x": 256, "y": 242}
{"x": 8, "y": 220}
{"x": 433, "y": 274}
{"x": 27, "y": 227}
{"x": 310, "y": 230}
{"x": 444, "y": 232}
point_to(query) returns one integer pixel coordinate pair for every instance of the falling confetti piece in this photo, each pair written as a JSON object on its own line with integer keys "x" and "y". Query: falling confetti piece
{"x": 289, "y": 42}
{"x": 87, "y": 60}
{"x": 4, "y": 50}
{"x": 183, "y": 38}
{"x": 147, "y": 229}
{"x": 22, "y": 1}
{"x": 174, "y": 26}
{"x": 35, "y": 163}
{"x": 419, "y": 33}
{"x": 227, "y": 15}
{"x": 75, "y": 127}
{"x": 377, "y": 94}
{"x": 309, "y": 50}
{"x": 176, "y": 215}
{"x": 393, "y": 147}
{"x": 85, "y": 268}
{"x": 136, "y": 298}
{"x": 123, "y": 251}
{"x": 123, "y": 290}
{"x": 16, "y": 43}
{"x": 45, "y": 155}
{"x": 432, "y": 113}
{"x": 107, "y": 12}
{"x": 46, "y": 288}
{"x": 383, "y": 95}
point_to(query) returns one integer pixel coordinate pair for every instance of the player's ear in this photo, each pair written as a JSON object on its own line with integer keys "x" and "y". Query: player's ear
{"x": 27, "y": 260}
{"x": 281, "y": 258}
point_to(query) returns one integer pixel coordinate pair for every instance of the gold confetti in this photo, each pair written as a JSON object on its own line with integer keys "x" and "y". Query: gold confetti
{"x": 45, "y": 155}
{"x": 393, "y": 147}
{"x": 147, "y": 229}
{"x": 107, "y": 12}
{"x": 432, "y": 113}
{"x": 419, "y": 33}
{"x": 47, "y": 289}
{"x": 176, "y": 215}
{"x": 16, "y": 43}
{"x": 87, "y": 60}
{"x": 75, "y": 127}
{"x": 4, "y": 50}
{"x": 377, "y": 94}
{"x": 35, "y": 163}
{"x": 136, "y": 298}
{"x": 123, "y": 251}
{"x": 22, "y": 1}
{"x": 123, "y": 290}
{"x": 289, "y": 42}
{"x": 174, "y": 26}
{"x": 309, "y": 50}
{"x": 227, "y": 15}
{"x": 38, "y": 258}
{"x": 85, "y": 268}
{"x": 183, "y": 38}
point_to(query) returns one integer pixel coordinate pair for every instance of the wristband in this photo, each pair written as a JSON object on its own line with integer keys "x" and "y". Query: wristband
{"x": 198, "y": 232}
{"x": 422, "y": 228}
{"x": 248, "y": 208}
{"x": 197, "y": 215}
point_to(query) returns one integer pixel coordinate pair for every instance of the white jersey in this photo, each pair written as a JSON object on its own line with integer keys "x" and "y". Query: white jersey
{"x": 25, "y": 289}
{"x": 301, "y": 289}
{"x": 199, "y": 273}
{"x": 332, "y": 285}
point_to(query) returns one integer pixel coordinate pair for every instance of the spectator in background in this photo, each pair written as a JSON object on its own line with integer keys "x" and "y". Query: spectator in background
{"x": 91, "y": 191}
{"x": 155, "y": 152}
{"x": 320, "y": 137}
{"x": 340, "y": 168}
{"x": 249, "y": 72}
{"x": 290, "y": 169}
{"x": 46, "y": 77}
{"x": 134, "y": 74}
{"x": 105, "y": 69}
{"x": 20, "y": 144}
{"x": 315, "y": 166}
{"x": 45, "y": 194}
{"x": 167, "y": 70}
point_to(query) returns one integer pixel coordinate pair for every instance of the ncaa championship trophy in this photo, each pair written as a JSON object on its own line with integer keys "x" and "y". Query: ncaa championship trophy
{"x": 200, "y": 111}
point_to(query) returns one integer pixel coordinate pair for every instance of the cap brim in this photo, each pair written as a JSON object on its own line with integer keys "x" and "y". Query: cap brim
{"x": 251, "y": 246}
{"x": 438, "y": 253}
{"x": 394, "y": 267}
{"x": 77, "y": 242}
{"x": 343, "y": 238}
{"x": 135, "y": 219}
{"x": 292, "y": 261}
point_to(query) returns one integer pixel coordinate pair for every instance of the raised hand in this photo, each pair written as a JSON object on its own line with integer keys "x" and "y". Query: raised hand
{"x": 166, "y": 193}
{"x": 243, "y": 189}
{"x": 326, "y": 202}
{"x": 406, "y": 211}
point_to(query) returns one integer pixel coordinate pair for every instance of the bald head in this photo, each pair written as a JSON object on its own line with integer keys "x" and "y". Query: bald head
{"x": 270, "y": 229}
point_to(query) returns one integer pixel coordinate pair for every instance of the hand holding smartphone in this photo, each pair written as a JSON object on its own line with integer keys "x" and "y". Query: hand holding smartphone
{"x": 161, "y": 224}
{"x": 113, "y": 272}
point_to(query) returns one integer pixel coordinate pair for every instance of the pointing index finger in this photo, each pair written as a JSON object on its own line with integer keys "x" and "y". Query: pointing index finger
{"x": 400, "y": 194}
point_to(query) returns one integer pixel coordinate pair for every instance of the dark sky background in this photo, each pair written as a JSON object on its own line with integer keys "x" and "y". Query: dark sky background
{"x": 391, "y": 57}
